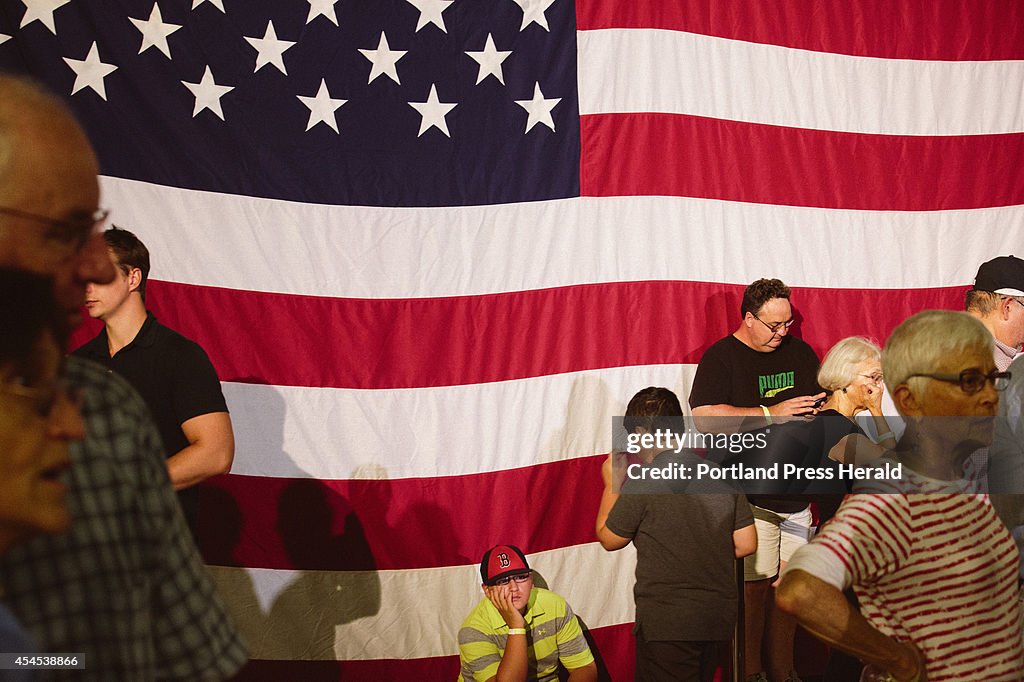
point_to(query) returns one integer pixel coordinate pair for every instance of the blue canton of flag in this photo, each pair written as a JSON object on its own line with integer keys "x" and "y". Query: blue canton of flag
{"x": 385, "y": 103}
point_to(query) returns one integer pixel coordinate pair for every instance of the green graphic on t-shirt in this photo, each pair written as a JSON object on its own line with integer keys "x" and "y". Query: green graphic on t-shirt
{"x": 770, "y": 385}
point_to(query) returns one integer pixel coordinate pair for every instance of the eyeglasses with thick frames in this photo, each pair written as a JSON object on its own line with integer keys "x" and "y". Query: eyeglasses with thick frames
{"x": 971, "y": 380}
{"x": 73, "y": 234}
{"x": 521, "y": 578}
{"x": 774, "y": 328}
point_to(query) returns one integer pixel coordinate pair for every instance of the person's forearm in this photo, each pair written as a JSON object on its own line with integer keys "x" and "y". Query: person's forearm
{"x": 210, "y": 451}
{"x": 513, "y": 666}
{"x": 587, "y": 673}
{"x": 824, "y": 612}
{"x": 196, "y": 463}
{"x": 608, "y": 498}
{"x": 608, "y": 539}
{"x": 882, "y": 428}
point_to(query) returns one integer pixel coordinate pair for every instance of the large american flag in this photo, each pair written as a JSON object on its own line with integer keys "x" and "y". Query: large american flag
{"x": 433, "y": 246}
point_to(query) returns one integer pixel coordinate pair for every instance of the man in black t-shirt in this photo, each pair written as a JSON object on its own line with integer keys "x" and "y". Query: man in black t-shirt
{"x": 753, "y": 378}
{"x": 173, "y": 374}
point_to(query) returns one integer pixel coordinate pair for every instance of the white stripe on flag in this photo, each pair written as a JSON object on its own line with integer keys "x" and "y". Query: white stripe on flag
{"x": 324, "y": 433}
{"x": 687, "y": 73}
{"x": 364, "y": 252}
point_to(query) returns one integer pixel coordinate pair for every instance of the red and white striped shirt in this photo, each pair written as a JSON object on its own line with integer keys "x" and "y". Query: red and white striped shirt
{"x": 938, "y": 570}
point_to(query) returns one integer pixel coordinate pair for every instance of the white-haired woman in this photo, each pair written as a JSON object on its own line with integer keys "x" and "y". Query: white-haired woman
{"x": 851, "y": 373}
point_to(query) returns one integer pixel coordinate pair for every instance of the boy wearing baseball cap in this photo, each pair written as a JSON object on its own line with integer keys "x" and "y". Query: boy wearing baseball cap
{"x": 520, "y": 632}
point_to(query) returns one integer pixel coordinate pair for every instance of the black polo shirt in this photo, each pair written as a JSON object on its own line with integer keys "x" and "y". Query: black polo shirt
{"x": 175, "y": 378}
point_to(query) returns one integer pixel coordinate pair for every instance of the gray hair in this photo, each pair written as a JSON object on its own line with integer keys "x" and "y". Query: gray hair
{"x": 924, "y": 340}
{"x": 982, "y": 302}
{"x": 839, "y": 368}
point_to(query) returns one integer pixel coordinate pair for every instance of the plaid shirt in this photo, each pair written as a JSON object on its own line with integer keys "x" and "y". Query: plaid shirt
{"x": 125, "y": 585}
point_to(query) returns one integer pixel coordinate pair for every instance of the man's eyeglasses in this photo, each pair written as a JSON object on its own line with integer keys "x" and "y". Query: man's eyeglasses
{"x": 43, "y": 398}
{"x": 774, "y": 328}
{"x": 971, "y": 380}
{"x": 521, "y": 578}
{"x": 73, "y": 234}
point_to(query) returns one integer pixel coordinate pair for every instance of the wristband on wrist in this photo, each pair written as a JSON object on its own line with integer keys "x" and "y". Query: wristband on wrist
{"x": 886, "y": 436}
{"x": 517, "y": 631}
{"x": 767, "y": 415}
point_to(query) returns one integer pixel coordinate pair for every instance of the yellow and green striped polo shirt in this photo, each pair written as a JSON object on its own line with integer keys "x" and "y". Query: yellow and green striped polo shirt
{"x": 553, "y": 634}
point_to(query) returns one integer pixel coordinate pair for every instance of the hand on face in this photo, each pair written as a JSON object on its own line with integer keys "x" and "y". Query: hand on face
{"x": 871, "y": 394}
{"x": 613, "y": 470}
{"x": 504, "y": 598}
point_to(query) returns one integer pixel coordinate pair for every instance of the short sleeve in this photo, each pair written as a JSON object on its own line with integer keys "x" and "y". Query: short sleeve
{"x": 626, "y": 514}
{"x": 479, "y": 656}
{"x": 870, "y": 535}
{"x": 711, "y": 383}
{"x": 743, "y": 517}
{"x": 197, "y": 389}
{"x": 573, "y": 650}
{"x": 808, "y": 372}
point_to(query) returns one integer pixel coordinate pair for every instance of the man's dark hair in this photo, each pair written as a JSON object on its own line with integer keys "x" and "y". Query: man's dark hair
{"x": 27, "y": 311}
{"x": 653, "y": 408}
{"x": 760, "y": 292}
{"x": 129, "y": 252}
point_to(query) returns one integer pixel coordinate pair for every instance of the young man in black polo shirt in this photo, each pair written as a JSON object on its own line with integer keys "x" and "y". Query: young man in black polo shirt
{"x": 172, "y": 373}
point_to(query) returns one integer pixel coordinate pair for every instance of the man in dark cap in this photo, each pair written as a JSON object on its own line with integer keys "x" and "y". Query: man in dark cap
{"x": 520, "y": 632}
{"x": 997, "y": 299}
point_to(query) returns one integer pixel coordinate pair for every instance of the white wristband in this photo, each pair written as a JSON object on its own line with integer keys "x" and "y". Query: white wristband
{"x": 767, "y": 415}
{"x": 517, "y": 631}
{"x": 886, "y": 436}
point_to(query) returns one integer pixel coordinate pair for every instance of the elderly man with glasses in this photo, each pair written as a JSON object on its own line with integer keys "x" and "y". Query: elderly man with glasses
{"x": 995, "y": 299}
{"x": 520, "y": 632}
{"x": 932, "y": 566}
{"x": 757, "y": 376}
{"x": 124, "y": 588}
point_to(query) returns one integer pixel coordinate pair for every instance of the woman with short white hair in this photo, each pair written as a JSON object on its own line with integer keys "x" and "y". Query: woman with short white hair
{"x": 851, "y": 373}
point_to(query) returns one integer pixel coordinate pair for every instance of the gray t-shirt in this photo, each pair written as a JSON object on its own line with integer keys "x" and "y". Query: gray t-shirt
{"x": 685, "y": 581}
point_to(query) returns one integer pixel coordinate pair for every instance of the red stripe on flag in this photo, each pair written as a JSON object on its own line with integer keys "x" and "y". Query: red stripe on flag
{"x": 362, "y": 525}
{"x": 693, "y": 156}
{"x": 947, "y": 30}
{"x": 401, "y": 343}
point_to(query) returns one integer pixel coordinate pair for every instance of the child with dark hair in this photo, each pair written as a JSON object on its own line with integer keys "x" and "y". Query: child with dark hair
{"x": 687, "y": 543}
